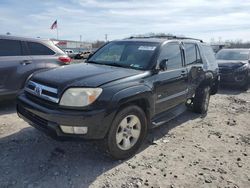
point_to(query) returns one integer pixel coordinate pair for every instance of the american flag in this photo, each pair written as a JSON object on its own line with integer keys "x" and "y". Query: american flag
{"x": 54, "y": 25}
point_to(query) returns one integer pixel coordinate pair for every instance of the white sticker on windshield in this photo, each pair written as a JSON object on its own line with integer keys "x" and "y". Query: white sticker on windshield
{"x": 148, "y": 48}
{"x": 243, "y": 52}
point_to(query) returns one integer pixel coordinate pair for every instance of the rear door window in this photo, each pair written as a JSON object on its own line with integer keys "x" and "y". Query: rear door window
{"x": 10, "y": 47}
{"x": 192, "y": 53}
{"x": 39, "y": 49}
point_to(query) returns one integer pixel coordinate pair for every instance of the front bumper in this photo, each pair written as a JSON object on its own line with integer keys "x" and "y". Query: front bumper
{"x": 234, "y": 78}
{"x": 48, "y": 120}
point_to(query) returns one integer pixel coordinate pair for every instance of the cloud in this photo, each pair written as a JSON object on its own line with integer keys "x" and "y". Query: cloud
{"x": 94, "y": 18}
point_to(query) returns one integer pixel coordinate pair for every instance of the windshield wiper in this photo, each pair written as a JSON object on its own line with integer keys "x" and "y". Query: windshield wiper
{"x": 118, "y": 65}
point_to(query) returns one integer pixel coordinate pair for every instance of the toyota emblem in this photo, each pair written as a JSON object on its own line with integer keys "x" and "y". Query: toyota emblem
{"x": 38, "y": 90}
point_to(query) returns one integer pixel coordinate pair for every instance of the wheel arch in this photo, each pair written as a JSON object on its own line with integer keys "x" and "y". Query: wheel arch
{"x": 209, "y": 80}
{"x": 140, "y": 96}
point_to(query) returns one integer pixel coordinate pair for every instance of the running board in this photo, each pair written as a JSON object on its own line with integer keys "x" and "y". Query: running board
{"x": 168, "y": 115}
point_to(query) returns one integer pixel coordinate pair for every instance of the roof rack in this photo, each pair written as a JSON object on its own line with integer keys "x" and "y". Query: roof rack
{"x": 164, "y": 36}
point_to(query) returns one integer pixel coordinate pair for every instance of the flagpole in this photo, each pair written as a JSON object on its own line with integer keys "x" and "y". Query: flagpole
{"x": 57, "y": 29}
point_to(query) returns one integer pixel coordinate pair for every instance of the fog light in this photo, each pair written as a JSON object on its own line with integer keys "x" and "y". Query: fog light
{"x": 67, "y": 129}
{"x": 80, "y": 130}
{"x": 74, "y": 130}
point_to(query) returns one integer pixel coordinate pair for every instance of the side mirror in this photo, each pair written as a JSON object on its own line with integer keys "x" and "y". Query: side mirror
{"x": 163, "y": 64}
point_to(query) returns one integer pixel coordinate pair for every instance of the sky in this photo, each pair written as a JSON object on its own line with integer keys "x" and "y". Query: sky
{"x": 92, "y": 19}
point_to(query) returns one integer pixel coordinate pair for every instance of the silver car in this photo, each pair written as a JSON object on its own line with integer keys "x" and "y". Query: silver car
{"x": 20, "y": 57}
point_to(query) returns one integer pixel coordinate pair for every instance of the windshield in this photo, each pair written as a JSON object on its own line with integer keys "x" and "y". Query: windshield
{"x": 136, "y": 55}
{"x": 233, "y": 55}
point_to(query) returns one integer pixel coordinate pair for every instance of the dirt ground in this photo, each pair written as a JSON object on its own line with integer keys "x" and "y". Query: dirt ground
{"x": 190, "y": 151}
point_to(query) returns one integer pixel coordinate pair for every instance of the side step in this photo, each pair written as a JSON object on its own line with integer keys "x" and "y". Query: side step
{"x": 168, "y": 115}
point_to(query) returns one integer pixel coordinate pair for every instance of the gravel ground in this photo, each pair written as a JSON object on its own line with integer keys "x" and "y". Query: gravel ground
{"x": 190, "y": 151}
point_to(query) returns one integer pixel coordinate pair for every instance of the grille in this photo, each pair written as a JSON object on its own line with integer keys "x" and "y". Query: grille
{"x": 42, "y": 91}
{"x": 41, "y": 101}
{"x": 225, "y": 70}
{"x": 32, "y": 117}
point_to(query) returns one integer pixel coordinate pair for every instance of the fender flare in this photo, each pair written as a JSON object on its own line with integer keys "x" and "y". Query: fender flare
{"x": 132, "y": 94}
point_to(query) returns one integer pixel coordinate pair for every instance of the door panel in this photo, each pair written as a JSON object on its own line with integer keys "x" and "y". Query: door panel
{"x": 13, "y": 72}
{"x": 171, "y": 89}
{"x": 194, "y": 65}
{"x": 15, "y": 65}
{"x": 42, "y": 56}
{"x": 171, "y": 86}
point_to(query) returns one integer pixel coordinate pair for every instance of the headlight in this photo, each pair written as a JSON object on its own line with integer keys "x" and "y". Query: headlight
{"x": 242, "y": 68}
{"x": 79, "y": 97}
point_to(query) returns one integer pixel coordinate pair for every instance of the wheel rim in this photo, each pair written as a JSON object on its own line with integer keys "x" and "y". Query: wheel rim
{"x": 128, "y": 132}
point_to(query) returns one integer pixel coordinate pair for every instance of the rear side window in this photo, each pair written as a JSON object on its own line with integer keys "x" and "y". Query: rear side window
{"x": 10, "y": 48}
{"x": 192, "y": 54}
{"x": 209, "y": 54}
{"x": 172, "y": 53}
{"x": 39, "y": 49}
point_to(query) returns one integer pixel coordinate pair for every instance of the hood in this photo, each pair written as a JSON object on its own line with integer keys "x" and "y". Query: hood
{"x": 82, "y": 75}
{"x": 231, "y": 63}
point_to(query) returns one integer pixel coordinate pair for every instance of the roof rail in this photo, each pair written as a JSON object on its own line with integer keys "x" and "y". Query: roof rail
{"x": 164, "y": 36}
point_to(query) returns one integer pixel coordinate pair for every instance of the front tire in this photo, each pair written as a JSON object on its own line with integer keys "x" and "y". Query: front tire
{"x": 201, "y": 100}
{"x": 127, "y": 132}
{"x": 245, "y": 85}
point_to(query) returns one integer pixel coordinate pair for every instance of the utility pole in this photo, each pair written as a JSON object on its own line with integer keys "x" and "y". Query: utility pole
{"x": 106, "y": 37}
{"x": 80, "y": 38}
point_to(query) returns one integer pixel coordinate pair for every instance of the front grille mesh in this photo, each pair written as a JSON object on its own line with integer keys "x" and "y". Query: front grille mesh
{"x": 225, "y": 70}
{"x": 32, "y": 117}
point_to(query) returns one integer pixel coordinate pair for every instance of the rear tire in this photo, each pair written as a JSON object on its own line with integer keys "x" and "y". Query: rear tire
{"x": 201, "y": 100}
{"x": 127, "y": 132}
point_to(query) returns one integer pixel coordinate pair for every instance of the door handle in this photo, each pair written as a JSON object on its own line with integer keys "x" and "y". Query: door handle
{"x": 25, "y": 62}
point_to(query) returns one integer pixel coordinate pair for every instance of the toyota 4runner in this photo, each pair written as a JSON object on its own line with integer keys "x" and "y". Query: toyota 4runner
{"x": 123, "y": 89}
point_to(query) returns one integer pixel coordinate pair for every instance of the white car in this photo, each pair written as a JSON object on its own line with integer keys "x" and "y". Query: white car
{"x": 70, "y": 53}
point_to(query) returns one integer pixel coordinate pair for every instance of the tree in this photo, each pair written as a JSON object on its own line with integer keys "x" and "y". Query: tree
{"x": 98, "y": 44}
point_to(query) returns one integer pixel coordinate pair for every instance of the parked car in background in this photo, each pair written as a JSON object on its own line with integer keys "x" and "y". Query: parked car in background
{"x": 71, "y": 53}
{"x": 20, "y": 57}
{"x": 234, "y": 66}
{"x": 125, "y": 88}
{"x": 83, "y": 55}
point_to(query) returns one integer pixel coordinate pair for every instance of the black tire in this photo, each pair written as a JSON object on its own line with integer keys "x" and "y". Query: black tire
{"x": 201, "y": 100}
{"x": 215, "y": 88}
{"x": 245, "y": 85}
{"x": 111, "y": 142}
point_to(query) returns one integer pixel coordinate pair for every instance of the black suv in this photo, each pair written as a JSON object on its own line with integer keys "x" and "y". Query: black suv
{"x": 234, "y": 66}
{"x": 124, "y": 89}
{"x": 20, "y": 57}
